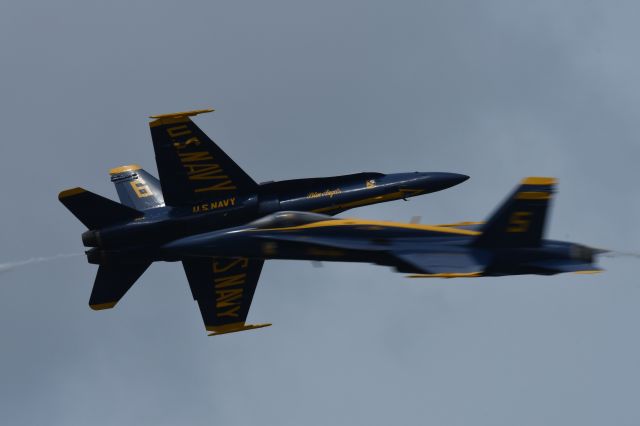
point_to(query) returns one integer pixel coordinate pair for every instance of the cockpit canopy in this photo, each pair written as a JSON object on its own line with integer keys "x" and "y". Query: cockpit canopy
{"x": 288, "y": 218}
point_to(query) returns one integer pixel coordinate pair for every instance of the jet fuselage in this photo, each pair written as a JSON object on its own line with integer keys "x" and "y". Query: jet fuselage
{"x": 304, "y": 236}
{"x": 330, "y": 195}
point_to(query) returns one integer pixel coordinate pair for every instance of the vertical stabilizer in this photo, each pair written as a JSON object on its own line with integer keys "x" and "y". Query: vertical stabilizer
{"x": 521, "y": 219}
{"x": 136, "y": 188}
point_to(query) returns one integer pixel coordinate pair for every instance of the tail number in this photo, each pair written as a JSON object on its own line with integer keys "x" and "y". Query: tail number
{"x": 519, "y": 222}
{"x": 141, "y": 188}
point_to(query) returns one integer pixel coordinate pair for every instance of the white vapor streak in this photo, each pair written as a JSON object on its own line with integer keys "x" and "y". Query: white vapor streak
{"x": 614, "y": 253}
{"x": 8, "y": 266}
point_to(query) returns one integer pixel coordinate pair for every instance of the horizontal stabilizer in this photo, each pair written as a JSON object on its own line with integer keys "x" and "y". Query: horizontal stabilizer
{"x": 112, "y": 282}
{"x": 95, "y": 211}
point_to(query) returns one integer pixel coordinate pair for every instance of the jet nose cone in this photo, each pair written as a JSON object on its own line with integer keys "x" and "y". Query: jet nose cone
{"x": 432, "y": 182}
{"x": 452, "y": 179}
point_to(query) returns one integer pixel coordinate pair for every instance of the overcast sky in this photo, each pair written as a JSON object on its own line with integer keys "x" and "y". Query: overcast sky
{"x": 495, "y": 89}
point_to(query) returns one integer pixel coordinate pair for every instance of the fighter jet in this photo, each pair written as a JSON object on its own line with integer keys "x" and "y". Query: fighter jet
{"x": 510, "y": 242}
{"x": 201, "y": 189}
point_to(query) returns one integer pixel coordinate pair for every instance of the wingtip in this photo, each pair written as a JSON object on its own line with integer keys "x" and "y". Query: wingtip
{"x": 537, "y": 180}
{"x": 102, "y": 306}
{"x": 182, "y": 114}
{"x": 233, "y": 328}
{"x": 71, "y": 192}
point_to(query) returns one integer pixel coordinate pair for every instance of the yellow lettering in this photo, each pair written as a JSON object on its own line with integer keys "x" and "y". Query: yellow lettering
{"x": 231, "y": 312}
{"x": 242, "y": 261}
{"x": 141, "y": 188}
{"x": 213, "y": 205}
{"x": 204, "y": 172}
{"x": 230, "y": 280}
{"x": 181, "y": 130}
{"x": 191, "y": 141}
{"x": 226, "y": 298}
{"x": 190, "y": 157}
{"x": 328, "y": 193}
{"x": 519, "y": 222}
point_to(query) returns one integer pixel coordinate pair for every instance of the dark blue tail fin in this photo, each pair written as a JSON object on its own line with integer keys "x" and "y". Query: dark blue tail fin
{"x": 521, "y": 219}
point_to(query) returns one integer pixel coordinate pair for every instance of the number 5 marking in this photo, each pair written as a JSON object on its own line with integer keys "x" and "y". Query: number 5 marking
{"x": 519, "y": 222}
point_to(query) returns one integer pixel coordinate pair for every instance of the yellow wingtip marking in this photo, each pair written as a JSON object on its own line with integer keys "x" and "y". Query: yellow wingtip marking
{"x": 453, "y": 225}
{"x": 182, "y": 114}
{"x": 534, "y": 180}
{"x": 233, "y": 327}
{"x": 101, "y": 306}
{"x": 122, "y": 169}
{"x": 448, "y": 275}
{"x": 70, "y": 192}
{"x": 589, "y": 272}
{"x": 531, "y": 195}
{"x": 362, "y": 222}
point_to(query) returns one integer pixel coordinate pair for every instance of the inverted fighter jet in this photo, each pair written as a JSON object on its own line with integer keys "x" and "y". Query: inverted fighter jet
{"x": 200, "y": 190}
{"x": 510, "y": 242}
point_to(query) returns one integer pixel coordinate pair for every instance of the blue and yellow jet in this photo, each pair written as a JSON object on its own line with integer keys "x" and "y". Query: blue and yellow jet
{"x": 510, "y": 242}
{"x": 200, "y": 190}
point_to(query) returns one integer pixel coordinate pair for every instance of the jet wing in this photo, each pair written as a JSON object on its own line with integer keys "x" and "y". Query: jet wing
{"x": 224, "y": 288}
{"x": 442, "y": 265}
{"x": 192, "y": 168}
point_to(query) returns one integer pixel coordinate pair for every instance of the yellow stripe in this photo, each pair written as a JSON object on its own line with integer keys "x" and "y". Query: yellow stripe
{"x": 590, "y": 271}
{"x": 183, "y": 114}
{"x": 533, "y": 195}
{"x": 359, "y": 222}
{"x": 362, "y": 202}
{"x": 233, "y": 327}
{"x": 122, "y": 169}
{"x": 167, "y": 121}
{"x": 101, "y": 306}
{"x": 453, "y": 225}
{"x": 176, "y": 117}
{"x": 226, "y": 327}
{"x": 403, "y": 193}
{"x": 71, "y": 192}
{"x": 539, "y": 181}
{"x": 448, "y": 275}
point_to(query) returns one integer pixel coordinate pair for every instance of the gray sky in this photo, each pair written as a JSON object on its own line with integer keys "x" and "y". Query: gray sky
{"x": 494, "y": 89}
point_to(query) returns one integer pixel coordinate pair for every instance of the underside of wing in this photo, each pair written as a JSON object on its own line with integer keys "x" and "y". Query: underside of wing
{"x": 441, "y": 265}
{"x": 224, "y": 289}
